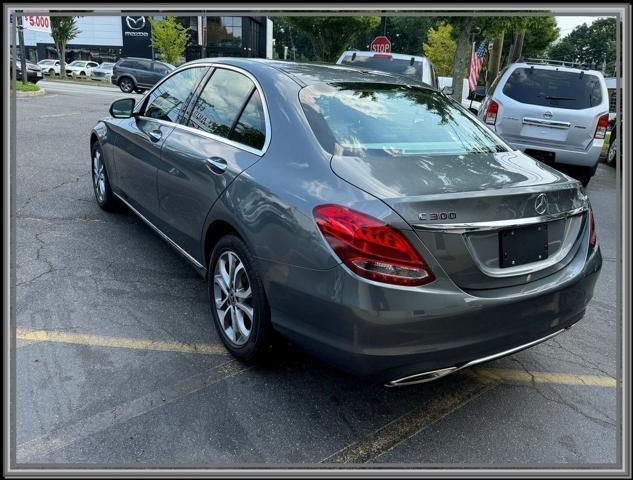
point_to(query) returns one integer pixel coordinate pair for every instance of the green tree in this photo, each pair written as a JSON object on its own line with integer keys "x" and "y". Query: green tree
{"x": 330, "y": 36}
{"x": 299, "y": 46}
{"x": 541, "y": 34}
{"x": 169, "y": 38}
{"x": 63, "y": 30}
{"x": 589, "y": 44}
{"x": 407, "y": 34}
{"x": 440, "y": 48}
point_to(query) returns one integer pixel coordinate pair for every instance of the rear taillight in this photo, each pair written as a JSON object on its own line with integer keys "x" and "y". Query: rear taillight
{"x": 593, "y": 239}
{"x": 603, "y": 123}
{"x": 491, "y": 112}
{"x": 371, "y": 248}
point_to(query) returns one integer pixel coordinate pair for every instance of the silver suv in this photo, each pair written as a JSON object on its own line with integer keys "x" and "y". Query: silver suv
{"x": 558, "y": 115}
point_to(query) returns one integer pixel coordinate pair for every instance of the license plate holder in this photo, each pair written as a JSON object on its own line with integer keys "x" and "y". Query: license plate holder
{"x": 521, "y": 245}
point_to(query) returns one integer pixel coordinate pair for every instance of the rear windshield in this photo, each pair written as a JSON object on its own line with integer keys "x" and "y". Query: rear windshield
{"x": 386, "y": 64}
{"x": 368, "y": 118}
{"x": 554, "y": 88}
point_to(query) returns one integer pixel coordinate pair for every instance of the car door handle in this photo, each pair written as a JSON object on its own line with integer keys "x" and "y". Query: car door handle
{"x": 155, "y": 135}
{"x": 216, "y": 164}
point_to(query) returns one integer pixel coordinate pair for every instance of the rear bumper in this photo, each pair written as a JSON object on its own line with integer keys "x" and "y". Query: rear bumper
{"x": 585, "y": 158}
{"x": 390, "y": 333}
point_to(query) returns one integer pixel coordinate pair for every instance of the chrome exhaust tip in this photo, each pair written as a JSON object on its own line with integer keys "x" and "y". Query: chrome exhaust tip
{"x": 421, "y": 377}
{"x": 442, "y": 372}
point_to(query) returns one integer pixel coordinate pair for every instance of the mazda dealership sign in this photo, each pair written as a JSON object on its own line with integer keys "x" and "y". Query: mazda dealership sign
{"x": 136, "y": 36}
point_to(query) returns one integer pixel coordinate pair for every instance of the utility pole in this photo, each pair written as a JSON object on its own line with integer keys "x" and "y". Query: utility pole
{"x": 383, "y": 25}
{"x": 22, "y": 49}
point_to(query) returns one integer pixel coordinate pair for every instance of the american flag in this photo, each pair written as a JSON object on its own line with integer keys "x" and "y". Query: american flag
{"x": 476, "y": 60}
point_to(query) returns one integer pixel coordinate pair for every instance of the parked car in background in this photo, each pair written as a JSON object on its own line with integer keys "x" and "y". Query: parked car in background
{"x": 558, "y": 115}
{"x": 80, "y": 68}
{"x": 103, "y": 72}
{"x": 366, "y": 217}
{"x": 614, "y": 143}
{"x": 49, "y": 66}
{"x": 138, "y": 74}
{"x": 418, "y": 67}
{"x": 33, "y": 71}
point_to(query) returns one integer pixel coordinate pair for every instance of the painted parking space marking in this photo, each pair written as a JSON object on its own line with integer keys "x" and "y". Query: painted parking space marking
{"x": 34, "y": 336}
{"x": 27, "y": 337}
{"x": 32, "y": 450}
{"x": 411, "y": 423}
{"x": 521, "y": 376}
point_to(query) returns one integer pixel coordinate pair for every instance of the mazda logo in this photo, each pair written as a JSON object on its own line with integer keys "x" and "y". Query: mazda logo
{"x": 135, "y": 23}
{"x": 547, "y": 114}
{"x": 540, "y": 204}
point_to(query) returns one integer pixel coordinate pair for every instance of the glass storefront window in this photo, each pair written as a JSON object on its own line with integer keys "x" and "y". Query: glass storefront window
{"x": 224, "y": 32}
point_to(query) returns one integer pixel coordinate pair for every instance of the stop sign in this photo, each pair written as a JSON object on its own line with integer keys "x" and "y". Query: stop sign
{"x": 380, "y": 44}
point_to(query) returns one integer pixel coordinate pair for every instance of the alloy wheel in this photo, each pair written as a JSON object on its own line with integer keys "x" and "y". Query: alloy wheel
{"x": 233, "y": 297}
{"x": 98, "y": 175}
{"x": 126, "y": 85}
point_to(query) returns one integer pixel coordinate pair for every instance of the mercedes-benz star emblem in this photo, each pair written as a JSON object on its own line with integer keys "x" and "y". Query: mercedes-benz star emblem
{"x": 547, "y": 114}
{"x": 135, "y": 23}
{"x": 540, "y": 204}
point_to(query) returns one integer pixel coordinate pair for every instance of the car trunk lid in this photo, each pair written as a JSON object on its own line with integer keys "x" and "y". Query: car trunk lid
{"x": 459, "y": 204}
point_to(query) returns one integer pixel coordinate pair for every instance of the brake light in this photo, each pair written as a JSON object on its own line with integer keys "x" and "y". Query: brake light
{"x": 491, "y": 112}
{"x": 371, "y": 248}
{"x": 603, "y": 123}
{"x": 593, "y": 238}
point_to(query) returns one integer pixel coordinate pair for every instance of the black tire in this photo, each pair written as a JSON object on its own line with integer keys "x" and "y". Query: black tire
{"x": 612, "y": 152}
{"x": 139, "y": 90}
{"x": 103, "y": 195}
{"x": 51, "y": 72}
{"x": 261, "y": 335}
{"x": 126, "y": 84}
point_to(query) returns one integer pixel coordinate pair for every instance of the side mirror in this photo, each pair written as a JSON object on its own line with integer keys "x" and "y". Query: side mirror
{"x": 447, "y": 90}
{"x": 122, "y": 108}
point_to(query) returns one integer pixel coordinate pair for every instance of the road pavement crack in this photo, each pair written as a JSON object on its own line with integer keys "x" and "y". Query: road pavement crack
{"x": 561, "y": 401}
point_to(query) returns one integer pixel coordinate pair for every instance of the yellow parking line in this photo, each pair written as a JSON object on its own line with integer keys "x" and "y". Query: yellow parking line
{"x": 507, "y": 375}
{"x": 117, "y": 342}
{"x": 484, "y": 375}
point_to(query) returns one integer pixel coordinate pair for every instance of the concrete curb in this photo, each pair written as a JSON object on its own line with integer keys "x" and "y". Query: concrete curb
{"x": 40, "y": 92}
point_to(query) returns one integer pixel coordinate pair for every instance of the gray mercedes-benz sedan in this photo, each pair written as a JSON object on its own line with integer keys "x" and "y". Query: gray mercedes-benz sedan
{"x": 368, "y": 218}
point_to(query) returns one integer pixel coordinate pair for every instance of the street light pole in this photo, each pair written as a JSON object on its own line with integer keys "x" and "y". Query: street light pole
{"x": 22, "y": 49}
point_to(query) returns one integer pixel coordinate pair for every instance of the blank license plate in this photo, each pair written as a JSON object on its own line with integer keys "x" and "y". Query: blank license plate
{"x": 523, "y": 245}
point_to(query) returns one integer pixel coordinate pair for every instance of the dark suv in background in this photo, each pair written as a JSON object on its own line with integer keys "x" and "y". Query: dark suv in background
{"x": 138, "y": 74}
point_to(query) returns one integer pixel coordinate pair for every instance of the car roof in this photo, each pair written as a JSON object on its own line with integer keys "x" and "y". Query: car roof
{"x": 399, "y": 56}
{"x": 545, "y": 66}
{"x": 313, "y": 73}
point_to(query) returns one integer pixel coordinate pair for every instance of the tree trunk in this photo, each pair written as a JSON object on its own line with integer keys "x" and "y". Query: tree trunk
{"x": 61, "y": 49}
{"x": 517, "y": 46}
{"x": 495, "y": 59}
{"x": 462, "y": 56}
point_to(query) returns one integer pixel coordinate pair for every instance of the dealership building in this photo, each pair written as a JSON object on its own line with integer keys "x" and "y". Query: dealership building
{"x": 107, "y": 38}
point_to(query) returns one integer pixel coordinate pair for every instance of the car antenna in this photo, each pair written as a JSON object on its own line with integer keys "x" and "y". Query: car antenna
{"x": 353, "y": 56}
{"x": 582, "y": 73}
{"x": 412, "y": 61}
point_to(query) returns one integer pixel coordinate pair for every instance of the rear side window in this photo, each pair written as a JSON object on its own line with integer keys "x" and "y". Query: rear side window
{"x": 160, "y": 68}
{"x": 138, "y": 64}
{"x": 386, "y": 63}
{"x": 250, "y": 129}
{"x": 221, "y": 102}
{"x": 554, "y": 88}
{"x": 167, "y": 99}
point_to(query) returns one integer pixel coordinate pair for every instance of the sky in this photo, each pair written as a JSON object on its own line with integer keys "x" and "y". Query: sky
{"x": 567, "y": 24}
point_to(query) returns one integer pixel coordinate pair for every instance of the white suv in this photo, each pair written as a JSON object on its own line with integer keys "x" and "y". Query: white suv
{"x": 414, "y": 66}
{"x": 558, "y": 115}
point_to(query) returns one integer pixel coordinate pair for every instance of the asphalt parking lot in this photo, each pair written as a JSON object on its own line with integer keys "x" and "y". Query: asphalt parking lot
{"x": 118, "y": 363}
